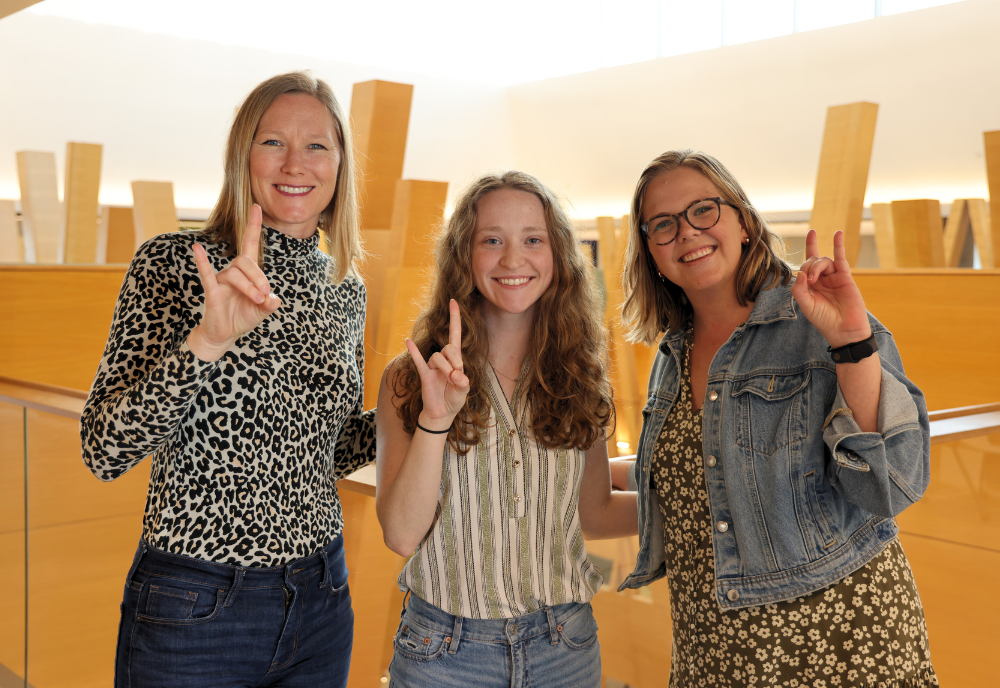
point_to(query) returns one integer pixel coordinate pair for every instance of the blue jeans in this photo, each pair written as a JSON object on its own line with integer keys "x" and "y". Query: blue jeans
{"x": 556, "y": 646}
{"x": 188, "y": 623}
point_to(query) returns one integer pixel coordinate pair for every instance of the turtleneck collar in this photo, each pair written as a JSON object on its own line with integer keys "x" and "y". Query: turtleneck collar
{"x": 280, "y": 244}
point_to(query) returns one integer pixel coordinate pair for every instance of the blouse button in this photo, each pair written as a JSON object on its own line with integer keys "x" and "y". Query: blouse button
{"x": 516, "y": 463}
{"x": 517, "y": 498}
{"x": 713, "y": 395}
{"x": 733, "y": 595}
{"x": 722, "y": 526}
{"x": 710, "y": 461}
{"x": 512, "y": 432}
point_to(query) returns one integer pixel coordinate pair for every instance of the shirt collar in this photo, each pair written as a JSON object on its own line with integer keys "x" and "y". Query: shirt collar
{"x": 280, "y": 244}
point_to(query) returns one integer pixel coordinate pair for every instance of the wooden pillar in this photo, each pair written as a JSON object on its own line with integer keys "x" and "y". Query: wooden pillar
{"x": 380, "y": 116}
{"x": 918, "y": 233}
{"x": 41, "y": 214}
{"x": 83, "y": 183}
{"x": 885, "y": 245}
{"x": 115, "y": 235}
{"x": 417, "y": 214}
{"x": 991, "y": 140}
{"x": 956, "y": 231}
{"x": 843, "y": 176}
{"x": 154, "y": 210}
{"x": 986, "y": 238}
{"x": 11, "y": 246}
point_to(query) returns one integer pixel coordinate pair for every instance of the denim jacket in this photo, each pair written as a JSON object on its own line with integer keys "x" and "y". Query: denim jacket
{"x": 799, "y": 495}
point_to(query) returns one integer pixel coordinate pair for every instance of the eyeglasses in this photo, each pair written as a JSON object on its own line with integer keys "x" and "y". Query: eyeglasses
{"x": 701, "y": 215}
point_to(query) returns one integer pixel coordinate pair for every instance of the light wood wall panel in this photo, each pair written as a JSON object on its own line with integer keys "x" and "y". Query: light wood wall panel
{"x": 417, "y": 215}
{"x": 918, "y": 233}
{"x": 842, "y": 178}
{"x": 82, "y": 187}
{"x": 946, "y": 324}
{"x": 41, "y": 213}
{"x": 154, "y": 211}
{"x": 12, "y": 6}
{"x": 991, "y": 141}
{"x": 380, "y": 116}
{"x": 11, "y": 246}
{"x": 115, "y": 236}
{"x": 73, "y": 617}
{"x": 885, "y": 245}
{"x": 56, "y": 321}
{"x": 12, "y": 538}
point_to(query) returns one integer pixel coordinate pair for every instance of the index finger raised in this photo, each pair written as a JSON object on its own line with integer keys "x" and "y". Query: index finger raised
{"x": 812, "y": 244}
{"x": 251, "y": 237}
{"x": 455, "y": 326}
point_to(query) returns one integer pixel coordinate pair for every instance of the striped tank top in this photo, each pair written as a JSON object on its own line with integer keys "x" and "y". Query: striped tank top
{"x": 506, "y": 540}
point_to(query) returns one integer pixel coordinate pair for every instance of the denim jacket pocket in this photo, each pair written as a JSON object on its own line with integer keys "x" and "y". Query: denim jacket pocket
{"x": 772, "y": 410}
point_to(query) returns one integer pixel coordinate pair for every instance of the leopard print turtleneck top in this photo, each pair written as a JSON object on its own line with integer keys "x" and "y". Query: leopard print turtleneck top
{"x": 246, "y": 451}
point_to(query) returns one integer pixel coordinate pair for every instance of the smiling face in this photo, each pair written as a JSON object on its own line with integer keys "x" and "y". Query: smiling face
{"x": 294, "y": 161}
{"x": 511, "y": 252}
{"x": 701, "y": 262}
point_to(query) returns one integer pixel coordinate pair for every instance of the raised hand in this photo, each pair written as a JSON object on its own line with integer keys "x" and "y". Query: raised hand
{"x": 443, "y": 382}
{"x": 828, "y": 296}
{"x": 236, "y": 300}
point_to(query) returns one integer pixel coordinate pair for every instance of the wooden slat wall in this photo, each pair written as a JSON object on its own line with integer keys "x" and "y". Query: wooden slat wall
{"x": 83, "y": 181}
{"x": 41, "y": 212}
{"x": 11, "y": 246}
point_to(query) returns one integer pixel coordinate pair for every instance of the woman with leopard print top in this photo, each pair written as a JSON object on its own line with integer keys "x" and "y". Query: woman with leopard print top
{"x": 241, "y": 375}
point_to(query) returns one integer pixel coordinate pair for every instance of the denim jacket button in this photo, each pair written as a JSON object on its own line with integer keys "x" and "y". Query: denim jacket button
{"x": 733, "y": 595}
{"x": 722, "y": 526}
{"x": 713, "y": 395}
{"x": 710, "y": 461}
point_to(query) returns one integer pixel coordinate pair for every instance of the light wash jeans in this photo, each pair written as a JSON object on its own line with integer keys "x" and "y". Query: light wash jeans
{"x": 554, "y": 647}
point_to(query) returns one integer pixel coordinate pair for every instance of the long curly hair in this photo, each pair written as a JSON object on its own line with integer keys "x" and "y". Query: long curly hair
{"x": 566, "y": 385}
{"x": 653, "y": 305}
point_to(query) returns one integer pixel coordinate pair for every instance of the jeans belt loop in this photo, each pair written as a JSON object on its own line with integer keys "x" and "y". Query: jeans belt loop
{"x": 140, "y": 550}
{"x": 456, "y": 634}
{"x": 327, "y": 575}
{"x": 553, "y": 630}
{"x": 237, "y": 584}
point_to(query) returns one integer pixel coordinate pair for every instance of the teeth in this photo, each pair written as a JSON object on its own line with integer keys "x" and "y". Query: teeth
{"x": 695, "y": 255}
{"x": 513, "y": 282}
{"x": 294, "y": 189}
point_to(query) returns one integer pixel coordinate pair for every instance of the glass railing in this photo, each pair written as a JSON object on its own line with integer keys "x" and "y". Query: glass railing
{"x": 67, "y": 540}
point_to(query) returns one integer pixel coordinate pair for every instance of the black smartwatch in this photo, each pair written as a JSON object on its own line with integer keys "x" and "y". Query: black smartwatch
{"x": 852, "y": 353}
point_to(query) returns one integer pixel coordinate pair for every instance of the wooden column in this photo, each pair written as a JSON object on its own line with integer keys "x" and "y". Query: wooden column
{"x": 380, "y": 116}
{"x": 843, "y": 176}
{"x": 918, "y": 233}
{"x": 956, "y": 230}
{"x": 11, "y": 246}
{"x": 417, "y": 214}
{"x": 115, "y": 235}
{"x": 83, "y": 183}
{"x": 885, "y": 245}
{"x": 154, "y": 210}
{"x": 986, "y": 238}
{"x": 991, "y": 140}
{"x": 41, "y": 214}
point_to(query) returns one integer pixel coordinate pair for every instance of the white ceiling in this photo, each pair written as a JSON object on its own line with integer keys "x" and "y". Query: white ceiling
{"x": 494, "y": 43}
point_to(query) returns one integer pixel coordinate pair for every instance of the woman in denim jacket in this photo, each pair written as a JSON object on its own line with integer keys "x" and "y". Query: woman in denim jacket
{"x": 768, "y": 474}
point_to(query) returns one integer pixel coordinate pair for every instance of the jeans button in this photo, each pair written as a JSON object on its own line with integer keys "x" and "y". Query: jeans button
{"x": 713, "y": 395}
{"x": 733, "y": 595}
{"x": 722, "y": 526}
{"x": 710, "y": 461}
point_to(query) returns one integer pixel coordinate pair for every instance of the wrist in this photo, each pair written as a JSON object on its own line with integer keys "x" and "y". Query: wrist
{"x": 434, "y": 426}
{"x": 839, "y": 339}
{"x": 204, "y": 349}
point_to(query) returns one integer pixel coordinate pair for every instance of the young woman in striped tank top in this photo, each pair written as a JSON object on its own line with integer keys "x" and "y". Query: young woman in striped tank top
{"x": 492, "y": 461}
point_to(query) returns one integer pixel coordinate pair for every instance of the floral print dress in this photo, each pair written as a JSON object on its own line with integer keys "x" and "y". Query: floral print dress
{"x": 866, "y": 630}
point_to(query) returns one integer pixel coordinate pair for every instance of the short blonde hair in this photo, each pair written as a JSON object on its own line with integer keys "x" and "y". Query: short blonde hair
{"x": 338, "y": 221}
{"x": 654, "y": 305}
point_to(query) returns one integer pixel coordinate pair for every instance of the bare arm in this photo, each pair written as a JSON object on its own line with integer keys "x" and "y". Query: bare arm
{"x": 408, "y": 467}
{"x": 605, "y": 514}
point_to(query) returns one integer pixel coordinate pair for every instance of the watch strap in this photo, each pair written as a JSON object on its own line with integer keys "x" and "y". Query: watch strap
{"x": 854, "y": 352}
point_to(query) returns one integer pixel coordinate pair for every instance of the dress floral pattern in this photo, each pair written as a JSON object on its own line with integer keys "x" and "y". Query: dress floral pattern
{"x": 866, "y": 630}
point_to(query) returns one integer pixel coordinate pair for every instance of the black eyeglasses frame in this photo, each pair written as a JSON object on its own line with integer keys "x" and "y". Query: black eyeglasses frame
{"x": 683, "y": 214}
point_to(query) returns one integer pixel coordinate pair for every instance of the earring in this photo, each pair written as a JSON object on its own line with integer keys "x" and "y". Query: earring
{"x": 746, "y": 241}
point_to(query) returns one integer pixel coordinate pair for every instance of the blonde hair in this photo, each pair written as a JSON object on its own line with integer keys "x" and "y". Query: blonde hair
{"x": 654, "y": 305}
{"x": 338, "y": 221}
{"x": 569, "y": 397}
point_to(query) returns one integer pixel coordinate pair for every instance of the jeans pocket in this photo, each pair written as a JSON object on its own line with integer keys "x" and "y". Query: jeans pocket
{"x": 177, "y": 602}
{"x": 417, "y": 643}
{"x": 579, "y": 631}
